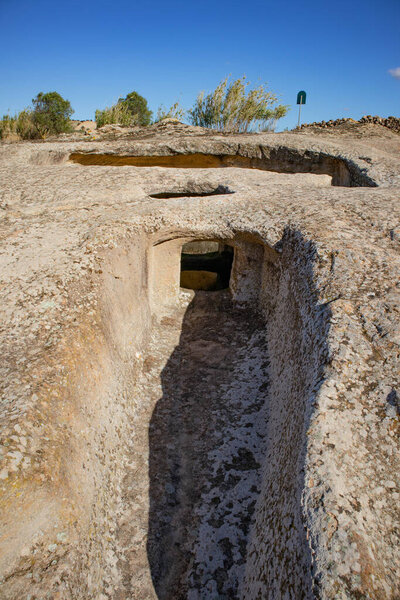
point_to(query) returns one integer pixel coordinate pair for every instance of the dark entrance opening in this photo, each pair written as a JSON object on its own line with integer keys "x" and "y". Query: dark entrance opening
{"x": 206, "y": 265}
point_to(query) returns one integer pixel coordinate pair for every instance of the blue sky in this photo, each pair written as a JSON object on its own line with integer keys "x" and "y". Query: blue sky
{"x": 93, "y": 52}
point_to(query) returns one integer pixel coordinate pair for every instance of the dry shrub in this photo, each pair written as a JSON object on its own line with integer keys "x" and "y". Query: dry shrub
{"x": 50, "y": 115}
{"x": 232, "y": 108}
{"x": 119, "y": 114}
{"x": 21, "y": 125}
{"x": 174, "y": 112}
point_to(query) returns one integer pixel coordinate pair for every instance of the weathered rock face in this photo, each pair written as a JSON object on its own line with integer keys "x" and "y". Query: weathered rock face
{"x": 157, "y": 444}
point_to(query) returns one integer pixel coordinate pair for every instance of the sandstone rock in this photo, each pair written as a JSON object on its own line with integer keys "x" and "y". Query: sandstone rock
{"x": 156, "y": 442}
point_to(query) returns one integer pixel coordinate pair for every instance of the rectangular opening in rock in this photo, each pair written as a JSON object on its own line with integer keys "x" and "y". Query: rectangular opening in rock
{"x": 206, "y": 266}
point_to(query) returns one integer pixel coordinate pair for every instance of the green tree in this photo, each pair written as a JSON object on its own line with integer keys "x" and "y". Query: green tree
{"x": 137, "y": 106}
{"x": 51, "y": 113}
{"x": 233, "y": 108}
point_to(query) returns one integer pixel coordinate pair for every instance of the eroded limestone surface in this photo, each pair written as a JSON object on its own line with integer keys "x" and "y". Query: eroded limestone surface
{"x": 160, "y": 445}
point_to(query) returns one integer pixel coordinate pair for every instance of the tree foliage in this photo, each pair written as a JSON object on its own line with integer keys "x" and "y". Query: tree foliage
{"x": 51, "y": 113}
{"x": 137, "y": 106}
{"x": 235, "y": 109}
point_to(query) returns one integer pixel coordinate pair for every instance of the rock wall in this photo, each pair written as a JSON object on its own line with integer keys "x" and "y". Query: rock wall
{"x": 279, "y": 557}
{"x": 78, "y": 450}
{"x": 126, "y": 326}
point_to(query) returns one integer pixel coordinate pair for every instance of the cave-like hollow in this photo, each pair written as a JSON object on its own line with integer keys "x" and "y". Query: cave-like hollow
{"x": 280, "y": 160}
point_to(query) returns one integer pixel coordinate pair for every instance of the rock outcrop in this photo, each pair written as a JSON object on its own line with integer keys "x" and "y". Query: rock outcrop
{"x": 166, "y": 443}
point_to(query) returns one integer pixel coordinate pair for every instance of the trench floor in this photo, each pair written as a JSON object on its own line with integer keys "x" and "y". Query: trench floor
{"x": 193, "y": 475}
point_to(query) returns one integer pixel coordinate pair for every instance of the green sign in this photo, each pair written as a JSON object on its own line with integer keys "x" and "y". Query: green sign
{"x": 301, "y": 97}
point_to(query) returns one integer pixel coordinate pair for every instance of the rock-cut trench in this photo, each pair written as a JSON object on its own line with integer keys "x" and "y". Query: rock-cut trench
{"x": 211, "y": 498}
{"x": 198, "y": 456}
{"x": 204, "y": 450}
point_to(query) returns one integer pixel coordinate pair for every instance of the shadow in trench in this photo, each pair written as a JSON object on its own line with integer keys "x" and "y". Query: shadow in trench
{"x": 206, "y": 439}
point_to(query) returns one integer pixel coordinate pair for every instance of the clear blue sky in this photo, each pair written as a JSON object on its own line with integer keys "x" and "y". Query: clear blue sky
{"x": 94, "y": 51}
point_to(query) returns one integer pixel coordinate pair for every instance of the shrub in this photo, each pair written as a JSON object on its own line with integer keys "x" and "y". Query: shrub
{"x": 119, "y": 114}
{"x": 174, "y": 112}
{"x": 231, "y": 108}
{"x": 8, "y": 126}
{"x": 25, "y": 126}
{"x": 137, "y": 106}
{"x": 271, "y": 116}
{"x": 21, "y": 125}
{"x": 51, "y": 113}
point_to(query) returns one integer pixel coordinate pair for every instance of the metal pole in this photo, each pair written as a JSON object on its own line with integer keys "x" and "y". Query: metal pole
{"x": 301, "y": 102}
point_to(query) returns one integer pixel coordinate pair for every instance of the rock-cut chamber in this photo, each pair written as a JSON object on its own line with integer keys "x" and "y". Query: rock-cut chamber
{"x": 206, "y": 266}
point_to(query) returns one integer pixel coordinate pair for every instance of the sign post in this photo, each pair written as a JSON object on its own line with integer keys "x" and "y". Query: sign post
{"x": 301, "y": 99}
